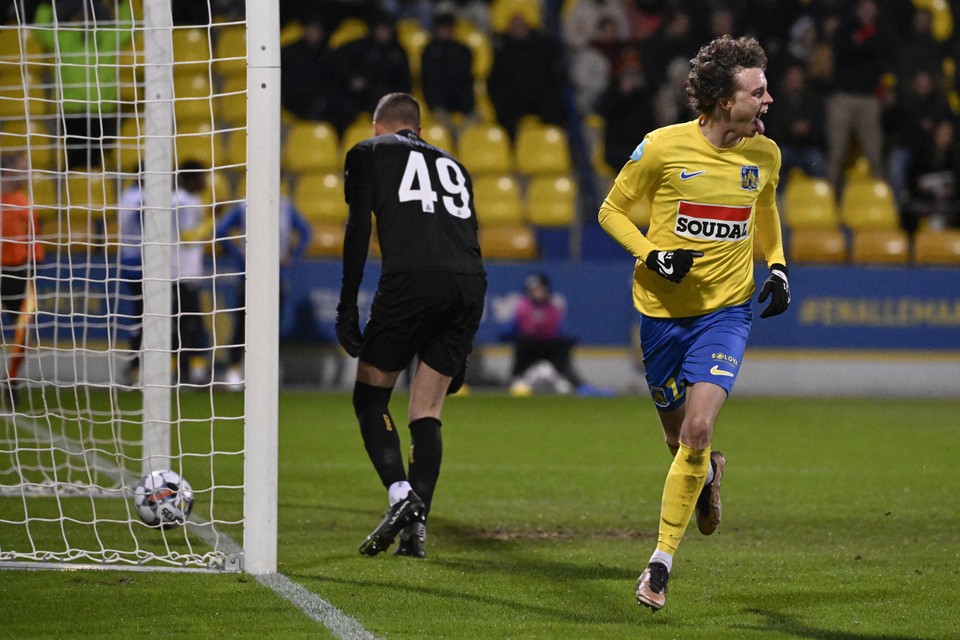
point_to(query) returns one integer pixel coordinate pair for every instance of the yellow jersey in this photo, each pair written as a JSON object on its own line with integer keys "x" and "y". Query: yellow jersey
{"x": 701, "y": 197}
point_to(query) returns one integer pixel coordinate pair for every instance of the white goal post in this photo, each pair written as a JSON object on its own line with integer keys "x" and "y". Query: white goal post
{"x": 132, "y": 138}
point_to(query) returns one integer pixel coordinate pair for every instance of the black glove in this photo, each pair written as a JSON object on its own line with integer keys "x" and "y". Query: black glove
{"x": 777, "y": 289}
{"x": 348, "y": 328}
{"x": 672, "y": 265}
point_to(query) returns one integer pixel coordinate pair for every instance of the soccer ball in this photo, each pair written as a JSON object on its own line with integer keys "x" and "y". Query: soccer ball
{"x": 163, "y": 499}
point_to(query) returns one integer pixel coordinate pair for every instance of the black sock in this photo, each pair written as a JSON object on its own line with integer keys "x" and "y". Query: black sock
{"x": 426, "y": 450}
{"x": 379, "y": 432}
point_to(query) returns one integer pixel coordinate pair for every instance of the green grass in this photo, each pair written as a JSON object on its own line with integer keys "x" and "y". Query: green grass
{"x": 841, "y": 520}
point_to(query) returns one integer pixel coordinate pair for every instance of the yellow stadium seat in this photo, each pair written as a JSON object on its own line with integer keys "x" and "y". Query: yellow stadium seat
{"x": 19, "y": 47}
{"x": 508, "y": 243}
{"x": 542, "y": 149}
{"x": 360, "y": 130}
{"x": 551, "y": 201}
{"x": 479, "y": 44}
{"x": 501, "y": 12}
{"x": 191, "y": 51}
{"x": 810, "y": 203}
{"x": 217, "y": 192}
{"x": 817, "y": 246}
{"x": 413, "y": 38}
{"x": 349, "y": 30}
{"x": 439, "y": 136}
{"x": 937, "y": 247}
{"x": 90, "y": 200}
{"x": 880, "y": 246}
{"x": 326, "y": 240}
{"x": 869, "y": 204}
{"x": 130, "y": 70}
{"x": 192, "y": 93}
{"x": 236, "y": 152}
{"x": 497, "y": 200}
{"x": 130, "y": 145}
{"x": 311, "y": 146}
{"x": 19, "y": 98}
{"x": 31, "y": 137}
{"x": 231, "y": 102}
{"x": 319, "y": 197}
{"x": 231, "y": 52}
{"x": 485, "y": 148}
{"x": 199, "y": 143}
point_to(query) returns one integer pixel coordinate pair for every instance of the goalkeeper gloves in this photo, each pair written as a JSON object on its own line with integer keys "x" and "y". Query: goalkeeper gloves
{"x": 777, "y": 289}
{"x": 672, "y": 265}
{"x": 348, "y": 328}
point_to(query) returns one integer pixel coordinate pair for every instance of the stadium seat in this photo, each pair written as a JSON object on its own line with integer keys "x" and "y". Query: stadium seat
{"x": 31, "y": 135}
{"x": 19, "y": 98}
{"x": 359, "y": 130}
{"x": 413, "y": 38}
{"x": 319, "y": 197}
{"x": 551, "y": 201}
{"x": 479, "y": 44}
{"x": 236, "y": 152}
{"x": 192, "y": 102}
{"x": 199, "y": 143}
{"x": 349, "y": 30}
{"x": 191, "y": 51}
{"x": 326, "y": 240}
{"x": 541, "y": 150}
{"x": 937, "y": 247}
{"x": 501, "y": 11}
{"x": 230, "y": 52}
{"x": 817, "y": 246}
{"x": 311, "y": 147}
{"x": 129, "y": 145}
{"x": 439, "y": 136}
{"x": 869, "y": 204}
{"x": 497, "y": 201}
{"x": 230, "y": 104}
{"x": 89, "y": 199}
{"x": 130, "y": 70}
{"x": 19, "y": 46}
{"x": 508, "y": 243}
{"x": 880, "y": 246}
{"x": 485, "y": 149}
{"x": 810, "y": 203}
{"x": 217, "y": 191}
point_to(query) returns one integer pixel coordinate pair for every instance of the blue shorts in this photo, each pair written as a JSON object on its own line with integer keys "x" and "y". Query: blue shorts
{"x": 678, "y": 352}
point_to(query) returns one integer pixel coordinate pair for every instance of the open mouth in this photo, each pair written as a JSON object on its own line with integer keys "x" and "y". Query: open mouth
{"x": 758, "y": 123}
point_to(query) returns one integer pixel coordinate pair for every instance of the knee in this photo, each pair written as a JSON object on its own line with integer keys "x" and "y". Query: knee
{"x": 367, "y": 398}
{"x": 697, "y": 431}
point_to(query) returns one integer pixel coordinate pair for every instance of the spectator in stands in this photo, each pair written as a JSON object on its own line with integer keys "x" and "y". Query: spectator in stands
{"x": 670, "y": 104}
{"x": 371, "y": 67}
{"x": 863, "y": 54}
{"x": 308, "y": 87}
{"x": 627, "y": 109}
{"x": 528, "y": 77}
{"x": 538, "y": 338}
{"x": 591, "y": 64}
{"x": 231, "y": 230}
{"x": 674, "y": 40}
{"x": 797, "y": 125}
{"x": 918, "y": 107}
{"x": 87, "y": 80}
{"x": 19, "y": 255}
{"x": 446, "y": 71}
{"x": 934, "y": 172}
{"x": 585, "y": 22}
{"x": 921, "y": 51}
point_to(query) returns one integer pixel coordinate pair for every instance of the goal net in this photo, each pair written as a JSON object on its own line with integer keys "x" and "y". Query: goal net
{"x": 123, "y": 137}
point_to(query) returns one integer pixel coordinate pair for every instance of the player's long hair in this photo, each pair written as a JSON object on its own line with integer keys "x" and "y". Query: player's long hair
{"x": 713, "y": 71}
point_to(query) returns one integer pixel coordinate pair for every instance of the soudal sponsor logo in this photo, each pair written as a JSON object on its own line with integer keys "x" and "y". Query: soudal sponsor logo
{"x": 712, "y": 222}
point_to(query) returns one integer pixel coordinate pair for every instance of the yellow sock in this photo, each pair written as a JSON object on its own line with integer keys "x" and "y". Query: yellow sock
{"x": 680, "y": 492}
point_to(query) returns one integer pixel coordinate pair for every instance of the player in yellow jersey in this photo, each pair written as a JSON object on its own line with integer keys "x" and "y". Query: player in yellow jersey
{"x": 711, "y": 187}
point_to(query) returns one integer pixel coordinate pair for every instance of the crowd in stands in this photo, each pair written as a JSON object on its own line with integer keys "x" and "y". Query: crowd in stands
{"x": 861, "y": 89}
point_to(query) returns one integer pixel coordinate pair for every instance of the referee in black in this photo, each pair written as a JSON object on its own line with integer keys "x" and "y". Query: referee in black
{"x": 428, "y": 304}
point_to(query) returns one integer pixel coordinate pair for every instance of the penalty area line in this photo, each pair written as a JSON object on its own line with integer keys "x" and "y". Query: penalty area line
{"x": 316, "y": 608}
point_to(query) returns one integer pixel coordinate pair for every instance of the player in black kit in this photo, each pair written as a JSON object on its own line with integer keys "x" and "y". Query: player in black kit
{"x": 428, "y": 304}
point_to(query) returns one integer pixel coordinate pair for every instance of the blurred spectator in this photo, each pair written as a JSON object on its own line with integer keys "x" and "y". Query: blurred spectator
{"x": 674, "y": 40}
{"x": 308, "y": 87}
{"x": 447, "y": 70}
{"x": 627, "y": 109}
{"x": 862, "y": 52}
{"x": 933, "y": 180}
{"x": 583, "y": 23}
{"x": 371, "y": 67}
{"x": 796, "y": 123}
{"x": 670, "y": 104}
{"x": 528, "y": 77}
{"x": 918, "y": 107}
{"x": 804, "y": 46}
{"x": 921, "y": 51}
{"x": 538, "y": 338}
{"x": 644, "y": 18}
{"x": 591, "y": 63}
{"x": 86, "y": 42}
{"x": 476, "y": 12}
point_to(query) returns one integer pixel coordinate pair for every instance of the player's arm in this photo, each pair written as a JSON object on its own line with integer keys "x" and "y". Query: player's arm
{"x": 358, "y": 189}
{"x": 776, "y": 287}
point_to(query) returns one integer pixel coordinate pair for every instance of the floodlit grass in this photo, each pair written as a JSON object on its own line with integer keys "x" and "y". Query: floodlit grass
{"x": 841, "y": 520}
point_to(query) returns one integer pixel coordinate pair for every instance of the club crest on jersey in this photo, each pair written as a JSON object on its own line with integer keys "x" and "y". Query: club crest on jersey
{"x": 638, "y": 152}
{"x": 712, "y": 222}
{"x": 749, "y": 177}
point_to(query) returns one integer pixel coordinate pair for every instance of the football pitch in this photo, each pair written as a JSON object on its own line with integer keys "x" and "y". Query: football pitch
{"x": 841, "y": 520}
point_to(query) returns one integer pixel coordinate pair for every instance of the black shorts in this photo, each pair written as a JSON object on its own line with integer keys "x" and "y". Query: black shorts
{"x": 430, "y": 314}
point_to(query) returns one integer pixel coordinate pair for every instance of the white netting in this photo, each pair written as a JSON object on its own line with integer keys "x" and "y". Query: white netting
{"x": 84, "y": 400}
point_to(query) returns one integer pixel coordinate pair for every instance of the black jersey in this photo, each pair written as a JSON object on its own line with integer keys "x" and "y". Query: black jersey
{"x": 422, "y": 198}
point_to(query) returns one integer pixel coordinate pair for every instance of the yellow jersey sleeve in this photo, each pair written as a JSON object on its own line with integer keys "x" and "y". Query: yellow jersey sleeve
{"x": 703, "y": 198}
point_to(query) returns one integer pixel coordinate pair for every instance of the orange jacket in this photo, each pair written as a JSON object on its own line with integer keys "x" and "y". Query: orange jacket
{"x": 17, "y": 238}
